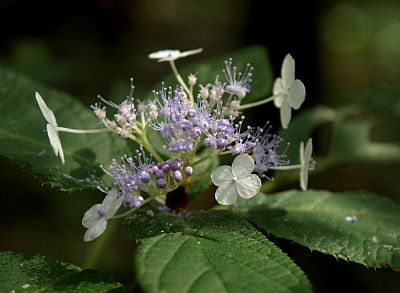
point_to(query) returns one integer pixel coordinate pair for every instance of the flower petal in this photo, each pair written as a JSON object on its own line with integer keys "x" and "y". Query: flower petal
{"x": 46, "y": 112}
{"x": 297, "y": 94}
{"x": 221, "y": 175}
{"x": 242, "y": 165}
{"x": 162, "y": 54}
{"x": 111, "y": 204}
{"x": 249, "y": 186}
{"x": 227, "y": 193}
{"x": 286, "y": 113}
{"x": 304, "y": 177}
{"x": 91, "y": 216}
{"x": 190, "y": 52}
{"x": 287, "y": 72}
{"x": 278, "y": 90}
{"x": 55, "y": 142}
{"x": 96, "y": 229}
{"x": 308, "y": 152}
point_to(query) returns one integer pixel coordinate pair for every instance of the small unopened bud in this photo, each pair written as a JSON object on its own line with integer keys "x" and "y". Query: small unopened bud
{"x": 177, "y": 176}
{"x": 124, "y": 133}
{"x": 100, "y": 113}
{"x": 204, "y": 93}
{"x": 161, "y": 183}
{"x": 121, "y": 120}
{"x": 144, "y": 177}
{"x": 176, "y": 165}
{"x": 192, "y": 79}
{"x": 188, "y": 171}
{"x": 159, "y": 173}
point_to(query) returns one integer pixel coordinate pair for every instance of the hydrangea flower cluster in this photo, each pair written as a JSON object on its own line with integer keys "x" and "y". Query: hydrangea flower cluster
{"x": 189, "y": 122}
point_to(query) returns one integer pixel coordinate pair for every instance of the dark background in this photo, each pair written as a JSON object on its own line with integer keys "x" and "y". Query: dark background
{"x": 341, "y": 48}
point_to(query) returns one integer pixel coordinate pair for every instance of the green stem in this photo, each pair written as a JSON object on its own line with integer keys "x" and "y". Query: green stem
{"x": 180, "y": 80}
{"x": 208, "y": 157}
{"x": 147, "y": 200}
{"x": 282, "y": 168}
{"x": 99, "y": 246}
{"x": 82, "y": 131}
{"x": 255, "y": 104}
{"x": 149, "y": 147}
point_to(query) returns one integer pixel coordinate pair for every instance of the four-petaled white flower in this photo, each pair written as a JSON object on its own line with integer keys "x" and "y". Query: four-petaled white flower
{"x": 52, "y": 127}
{"x": 290, "y": 92}
{"x": 236, "y": 180}
{"x": 171, "y": 55}
{"x": 306, "y": 163}
{"x": 95, "y": 219}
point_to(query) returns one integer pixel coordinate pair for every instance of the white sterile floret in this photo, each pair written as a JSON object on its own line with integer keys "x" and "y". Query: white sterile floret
{"x": 306, "y": 163}
{"x": 52, "y": 126}
{"x": 236, "y": 180}
{"x": 95, "y": 218}
{"x": 290, "y": 92}
{"x": 171, "y": 55}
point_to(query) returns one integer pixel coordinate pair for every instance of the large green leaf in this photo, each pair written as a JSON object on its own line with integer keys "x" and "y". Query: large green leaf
{"x": 23, "y": 139}
{"x": 32, "y": 272}
{"x": 208, "y": 69}
{"x": 319, "y": 220}
{"x": 210, "y": 252}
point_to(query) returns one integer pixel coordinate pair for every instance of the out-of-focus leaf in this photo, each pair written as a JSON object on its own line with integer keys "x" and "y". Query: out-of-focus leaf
{"x": 32, "y": 272}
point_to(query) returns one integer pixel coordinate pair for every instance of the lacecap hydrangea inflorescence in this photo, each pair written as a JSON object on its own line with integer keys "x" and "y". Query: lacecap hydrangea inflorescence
{"x": 189, "y": 118}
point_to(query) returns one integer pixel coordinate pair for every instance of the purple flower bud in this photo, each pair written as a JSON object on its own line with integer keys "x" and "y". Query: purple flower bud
{"x": 191, "y": 113}
{"x": 144, "y": 177}
{"x": 177, "y": 176}
{"x": 101, "y": 212}
{"x": 188, "y": 171}
{"x": 159, "y": 173}
{"x": 176, "y": 165}
{"x": 165, "y": 167}
{"x": 161, "y": 183}
{"x": 221, "y": 143}
{"x": 196, "y": 132}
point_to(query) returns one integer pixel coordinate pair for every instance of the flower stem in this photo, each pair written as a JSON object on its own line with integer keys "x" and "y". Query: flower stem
{"x": 208, "y": 157}
{"x": 180, "y": 80}
{"x": 147, "y": 200}
{"x": 281, "y": 168}
{"x": 149, "y": 147}
{"x": 255, "y": 104}
{"x": 82, "y": 131}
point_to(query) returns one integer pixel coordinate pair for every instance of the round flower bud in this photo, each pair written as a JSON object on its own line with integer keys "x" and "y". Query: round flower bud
{"x": 165, "y": 167}
{"x": 124, "y": 133}
{"x": 159, "y": 173}
{"x": 188, "y": 171}
{"x": 196, "y": 132}
{"x": 176, "y": 165}
{"x": 177, "y": 176}
{"x": 161, "y": 183}
{"x": 144, "y": 177}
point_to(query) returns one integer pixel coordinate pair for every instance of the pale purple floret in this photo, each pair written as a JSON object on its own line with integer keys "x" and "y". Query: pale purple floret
{"x": 238, "y": 83}
{"x": 266, "y": 151}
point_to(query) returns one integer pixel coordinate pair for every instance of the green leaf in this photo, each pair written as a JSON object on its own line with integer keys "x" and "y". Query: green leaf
{"x": 208, "y": 69}
{"x": 23, "y": 139}
{"x": 210, "y": 252}
{"x": 32, "y": 272}
{"x": 317, "y": 219}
